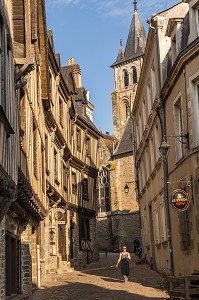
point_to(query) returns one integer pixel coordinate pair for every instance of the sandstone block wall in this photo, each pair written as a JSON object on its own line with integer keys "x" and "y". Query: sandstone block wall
{"x": 104, "y": 232}
{"x": 26, "y": 263}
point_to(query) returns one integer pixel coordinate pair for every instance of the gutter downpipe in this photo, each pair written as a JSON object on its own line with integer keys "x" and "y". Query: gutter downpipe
{"x": 165, "y": 160}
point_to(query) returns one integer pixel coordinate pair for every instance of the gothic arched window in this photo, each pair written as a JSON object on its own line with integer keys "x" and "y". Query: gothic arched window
{"x": 135, "y": 77}
{"x": 127, "y": 110}
{"x": 126, "y": 78}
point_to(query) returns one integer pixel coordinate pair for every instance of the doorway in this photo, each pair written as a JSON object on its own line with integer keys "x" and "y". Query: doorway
{"x": 13, "y": 254}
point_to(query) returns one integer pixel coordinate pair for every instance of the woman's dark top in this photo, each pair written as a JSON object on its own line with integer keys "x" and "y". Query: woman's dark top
{"x": 125, "y": 264}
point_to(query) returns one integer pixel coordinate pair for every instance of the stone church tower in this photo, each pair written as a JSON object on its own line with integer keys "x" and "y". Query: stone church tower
{"x": 126, "y": 73}
{"x": 125, "y": 218}
{"x": 120, "y": 223}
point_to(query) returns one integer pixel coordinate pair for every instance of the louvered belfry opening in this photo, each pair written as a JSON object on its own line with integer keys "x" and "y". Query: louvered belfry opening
{"x": 18, "y": 16}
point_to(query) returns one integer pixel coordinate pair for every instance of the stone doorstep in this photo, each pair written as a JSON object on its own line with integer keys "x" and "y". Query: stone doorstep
{"x": 19, "y": 297}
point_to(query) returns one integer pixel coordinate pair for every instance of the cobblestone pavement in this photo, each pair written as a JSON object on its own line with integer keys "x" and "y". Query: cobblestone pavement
{"x": 103, "y": 281}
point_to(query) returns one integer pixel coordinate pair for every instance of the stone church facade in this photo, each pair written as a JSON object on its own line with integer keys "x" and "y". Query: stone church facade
{"x": 127, "y": 67}
{"x": 123, "y": 221}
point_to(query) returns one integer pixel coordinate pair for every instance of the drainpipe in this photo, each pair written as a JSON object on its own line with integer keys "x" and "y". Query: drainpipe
{"x": 165, "y": 160}
{"x": 38, "y": 268}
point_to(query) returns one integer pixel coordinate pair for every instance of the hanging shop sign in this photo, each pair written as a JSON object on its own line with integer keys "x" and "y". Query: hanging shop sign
{"x": 180, "y": 200}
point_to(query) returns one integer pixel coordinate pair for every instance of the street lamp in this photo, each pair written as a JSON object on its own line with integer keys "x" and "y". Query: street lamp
{"x": 126, "y": 187}
{"x": 164, "y": 149}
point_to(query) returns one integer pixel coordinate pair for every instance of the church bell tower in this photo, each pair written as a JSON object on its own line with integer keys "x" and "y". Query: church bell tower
{"x": 127, "y": 69}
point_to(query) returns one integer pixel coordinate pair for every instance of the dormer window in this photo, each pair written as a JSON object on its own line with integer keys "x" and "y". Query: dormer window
{"x": 174, "y": 31}
{"x": 135, "y": 77}
{"x": 126, "y": 78}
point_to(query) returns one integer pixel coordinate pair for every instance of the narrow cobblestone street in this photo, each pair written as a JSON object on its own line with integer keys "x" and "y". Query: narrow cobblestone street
{"x": 102, "y": 281}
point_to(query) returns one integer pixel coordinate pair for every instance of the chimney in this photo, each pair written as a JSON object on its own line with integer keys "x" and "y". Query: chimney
{"x": 76, "y": 72}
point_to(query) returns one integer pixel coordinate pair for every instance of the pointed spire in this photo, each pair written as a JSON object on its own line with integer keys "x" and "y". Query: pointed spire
{"x": 120, "y": 56}
{"x": 135, "y": 5}
{"x": 136, "y": 41}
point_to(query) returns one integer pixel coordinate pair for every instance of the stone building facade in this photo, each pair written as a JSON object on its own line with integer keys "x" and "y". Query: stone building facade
{"x": 21, "y": 222}
{"x": 165, "y": 110}
{"x": 47, "y": 215}
{"x": 8, "y": 134}
{"x": 127, "y": 68}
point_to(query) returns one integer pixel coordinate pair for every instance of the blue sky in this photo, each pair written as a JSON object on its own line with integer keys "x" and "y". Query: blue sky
{"x": 90, "y": 31}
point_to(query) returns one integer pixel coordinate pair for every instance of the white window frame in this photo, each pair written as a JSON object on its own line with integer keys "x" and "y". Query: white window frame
{"x": 193, "y": 83}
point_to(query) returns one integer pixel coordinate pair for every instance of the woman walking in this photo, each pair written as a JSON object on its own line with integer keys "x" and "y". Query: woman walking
{"x": 124, "y": 257}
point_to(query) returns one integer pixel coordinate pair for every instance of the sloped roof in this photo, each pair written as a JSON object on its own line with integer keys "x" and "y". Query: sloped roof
{"x": 126, "y": 143}
{"x": 121, "y": 54}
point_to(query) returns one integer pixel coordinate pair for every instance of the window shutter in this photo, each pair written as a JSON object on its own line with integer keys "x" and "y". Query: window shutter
{"x": 19, "y": 26}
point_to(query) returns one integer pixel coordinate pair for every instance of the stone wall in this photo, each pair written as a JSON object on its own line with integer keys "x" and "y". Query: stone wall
{"x": 2, "y": 260}
{"x": 104, "y": 229}
{"x": 125, "y": 228}
{"x": 26, "y": 262}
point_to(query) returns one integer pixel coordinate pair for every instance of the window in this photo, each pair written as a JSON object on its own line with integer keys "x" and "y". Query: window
{"x": 178, "y": 128}
{"x": 51, "y": 85}
{"x": 88, "y": 146}
{"x": 61, "y": 112}
{"x": 127, "y": 109}
{"x": 152, "y": 154}
{"x": 148, "y": 91}
{"x": 126, "y": 78}
{"x": 163, "y": 225}
{"x": 78, "y": 140}
{"x": 195, "y": 112}
{"x": 153, "y": 83}
{"x": 65, "y": 179}
{"x": 197, "y": 19}
{"x": 34, "y": 150}
{"x": 144, "y": 113}
{"x": 157, "y": 142}
{"x": 43, "y": 169}
{"x": 173, "y": 49}
{"x": 147, "y": 163}
{"x": 46, "y": 151}
{"x": 107, "y": 198}
{"x": 135, "y": 78}
{"x": 3, "y": 67}
{"x": 156, "y": 223}
{"x": 137, "y": 135}
{"x": 18, "y": 17}
{"x": 85, "y": 228}
{"x": 85, "y": 188}
{"x": 55, "y": 165}
{"x": 140, "y": 126}
{"x": 74, "y": 183}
